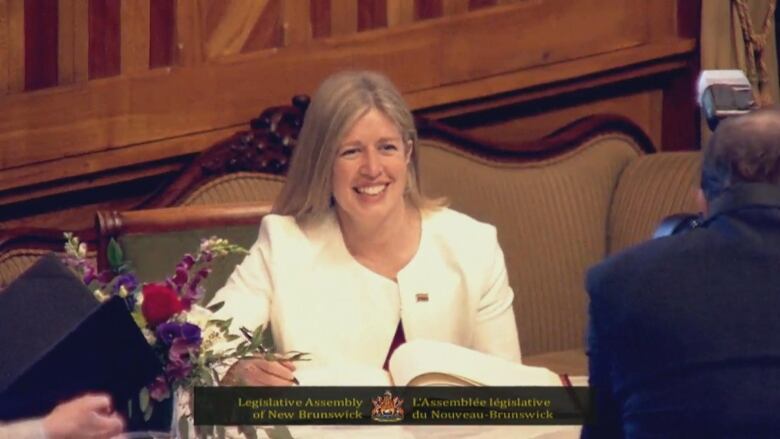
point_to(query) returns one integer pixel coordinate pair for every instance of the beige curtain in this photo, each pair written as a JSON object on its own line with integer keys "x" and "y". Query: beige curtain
{"x": 723, "y": 45}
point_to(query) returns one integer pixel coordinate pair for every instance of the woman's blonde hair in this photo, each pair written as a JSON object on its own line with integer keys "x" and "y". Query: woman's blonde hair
{"x": 339, "y": 102}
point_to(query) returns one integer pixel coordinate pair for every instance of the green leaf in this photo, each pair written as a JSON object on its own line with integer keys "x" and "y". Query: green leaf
{"x": 216, "y": 307}
{"x": 115, "y": 255}
{"x": 143, "y": 399}
{"x": 148, "y": 412}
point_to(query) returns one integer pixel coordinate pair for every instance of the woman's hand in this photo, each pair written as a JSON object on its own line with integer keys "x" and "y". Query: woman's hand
{"x": 260, "y": 372}
{"x": 90, "y": 416}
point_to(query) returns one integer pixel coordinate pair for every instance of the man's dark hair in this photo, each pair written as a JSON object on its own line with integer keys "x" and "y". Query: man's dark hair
{"x": 744, "y": 149}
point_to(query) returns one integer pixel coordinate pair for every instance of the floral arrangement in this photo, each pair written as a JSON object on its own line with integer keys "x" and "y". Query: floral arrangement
{"x": 185, "y": 338}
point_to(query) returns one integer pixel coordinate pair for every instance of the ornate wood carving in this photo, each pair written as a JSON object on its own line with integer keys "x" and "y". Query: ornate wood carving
{"x": 266, "y": 147}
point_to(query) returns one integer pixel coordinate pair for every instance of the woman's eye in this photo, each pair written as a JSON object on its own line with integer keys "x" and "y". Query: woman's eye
{"x": 388, "y": 147}
{"x": 348, "y": 152}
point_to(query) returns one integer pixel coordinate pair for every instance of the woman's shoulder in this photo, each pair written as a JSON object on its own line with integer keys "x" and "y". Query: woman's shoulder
{"x": 446, "y": 221}
{"x": 288, "y": 230}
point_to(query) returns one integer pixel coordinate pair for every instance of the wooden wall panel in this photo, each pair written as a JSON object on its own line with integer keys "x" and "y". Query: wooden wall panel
{"x": 104, "y": 38}
{"x": 565, "y": 36}
{"x": 73, "y": 41}
{"x": 268, "y": 30}
{"x": 221, "y": 73}
{"x": 104, "y": 115}
{"x": 11, "y": 46}
{"x": 189, "y": 36}
{"x": 344, "y": 17}
{"x": 320, "y": 18}
{"x": 235, "y": 26}
{"x": 296, "y": 22}
{"x": 454, "y": 7}
{"x": 541, "y": 118}
{"x": 135, "y": 39}
{"x": 372, "y": 14}
{"x": 478, "y": 4}
{"x": 400, "y": 12}
{"x": 427, "y": 9}
{"x": 40, "y": 43}
{"x": 162, "y": 31}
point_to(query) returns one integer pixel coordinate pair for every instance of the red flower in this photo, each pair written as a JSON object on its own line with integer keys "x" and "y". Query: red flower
{"x": 160, "y": 303}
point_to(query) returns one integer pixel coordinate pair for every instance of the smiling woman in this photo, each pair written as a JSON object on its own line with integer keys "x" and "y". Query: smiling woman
{"x": 353, "y": 244}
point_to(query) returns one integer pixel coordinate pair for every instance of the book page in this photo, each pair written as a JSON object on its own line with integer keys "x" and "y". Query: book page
{"x": 342, "y": 375}
{"x": 427, "y": 362}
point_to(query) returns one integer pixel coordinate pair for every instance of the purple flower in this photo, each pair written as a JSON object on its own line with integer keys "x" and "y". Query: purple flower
{"x": 168, "y": 332}
{"x": 179, "y": 359}
{"x": 190, "y": 334}
{"x": 128, "y": 280}
{"x": 178, "y": 371}
{"x": 187, "y": 262}
{"x": 180, "y": 277}
{"x": 159, "y": 389}
{"x": 90, "y": 274}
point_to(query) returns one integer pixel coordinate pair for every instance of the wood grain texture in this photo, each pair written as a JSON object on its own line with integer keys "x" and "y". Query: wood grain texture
{"x": 427, "y": 9}
{"x": 268, "y": 29}
{"x": 296, "y": 22}
{"x": 4, "y": 55}
{"x": 104, "y": 38}
{"x": 577, "y": 74}
{"x": 73, "y": 41}
{"x": 235, "y": 27}
{"x": 454, "y": 7}
{"x": 320, "y": 18}
{"x": 40, "y": 44}
{"x": 400, "y": 12}
{"x": 162, "y": 31}
{"x": 188, "y": 45}
{"x": 343, "y": 17}
{"x": 11, "y": 46}
{"x": 66, "y": 27}
{"x": 117, "y": 113}
{"x": 479, "y": 4}
{"x": 81, "y": 41}
{"x": 102, "y": 167}
{"x": 135, "y": 36}
{"x": 372, "y": 14}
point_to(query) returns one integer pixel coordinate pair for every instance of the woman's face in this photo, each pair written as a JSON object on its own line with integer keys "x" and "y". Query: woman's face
{"x": 370, "y": 170}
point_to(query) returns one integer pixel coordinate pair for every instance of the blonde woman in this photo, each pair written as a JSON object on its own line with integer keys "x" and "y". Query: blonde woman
{"x": 355, "y": 259}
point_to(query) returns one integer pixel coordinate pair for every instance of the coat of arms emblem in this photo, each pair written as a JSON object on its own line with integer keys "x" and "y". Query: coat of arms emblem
{"x": 387, "y": 408}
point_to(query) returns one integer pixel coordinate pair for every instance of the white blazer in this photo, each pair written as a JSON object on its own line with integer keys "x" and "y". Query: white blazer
{"x": 320, "y": 300}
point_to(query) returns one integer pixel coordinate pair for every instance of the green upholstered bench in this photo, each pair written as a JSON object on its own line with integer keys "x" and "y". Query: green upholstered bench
{"x": 153, "y": 241}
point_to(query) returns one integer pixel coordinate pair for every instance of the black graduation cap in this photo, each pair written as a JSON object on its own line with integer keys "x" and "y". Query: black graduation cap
{"x": 58, "y": 342}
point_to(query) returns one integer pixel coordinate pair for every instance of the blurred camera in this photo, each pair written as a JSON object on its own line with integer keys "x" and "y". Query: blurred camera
{"x": 724, "y": 93}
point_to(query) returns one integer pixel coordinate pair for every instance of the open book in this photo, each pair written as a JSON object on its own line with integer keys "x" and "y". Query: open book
{"x": 432, "y": 363}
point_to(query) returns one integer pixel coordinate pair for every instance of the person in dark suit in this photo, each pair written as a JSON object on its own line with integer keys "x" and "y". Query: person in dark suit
{"x": 684, "y": 337}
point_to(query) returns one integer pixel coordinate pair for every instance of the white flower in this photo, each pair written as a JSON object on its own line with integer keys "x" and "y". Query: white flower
{"x": 149, "y": 336}
{"x": 82, "y": 252}
{"x": 100, "y": 296}
{"x": 211, "y": 335}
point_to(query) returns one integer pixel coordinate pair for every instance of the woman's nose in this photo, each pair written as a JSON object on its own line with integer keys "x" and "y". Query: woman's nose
{"x": 372, "y": 164}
